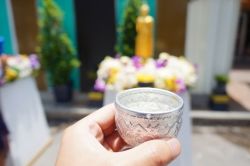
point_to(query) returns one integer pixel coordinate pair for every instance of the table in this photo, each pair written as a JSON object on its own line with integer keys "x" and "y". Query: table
{"x": 24, "y": 116}
{"x": 185, "y": 135}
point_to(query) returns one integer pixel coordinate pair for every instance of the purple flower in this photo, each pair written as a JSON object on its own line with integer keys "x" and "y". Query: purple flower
{"x": 161, "y": 63}
{"x": 99, "y": 85}
{"x": 117, "y": 56}
{"x": 2, "y": 81}
{"x": 34, "y": 61}
{"x": 181, "y": 85}
{"x": 137, "y": 62}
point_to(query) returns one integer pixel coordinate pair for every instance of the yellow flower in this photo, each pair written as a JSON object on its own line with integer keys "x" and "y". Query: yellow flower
{"x": 145, "y": 78}
{"x": 10, "y": 74}
{"x": 113, "y": 71}
{"x": 170, "y": 84}
{"x": 111, "y": 80}
{"x": 112, "y": 75}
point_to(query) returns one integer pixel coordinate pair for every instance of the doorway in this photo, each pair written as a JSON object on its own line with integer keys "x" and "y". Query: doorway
{"x": 95, "y": 22}
{"x": 242, "y": 51}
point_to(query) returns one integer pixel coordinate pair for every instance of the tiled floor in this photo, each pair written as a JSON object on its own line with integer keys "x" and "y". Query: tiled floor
{"x": 49, "y": 157}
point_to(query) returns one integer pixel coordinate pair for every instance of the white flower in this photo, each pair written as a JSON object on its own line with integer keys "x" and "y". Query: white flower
{"x": 125, "y": 60}
{"x": 164, "y": 55}
{"x": 126, "y": 78}
{"x": 188, "y": 72}
{"x": 148, "y": 69}
{"x": 121, "y": 73}
{"x": 181, "y": 68}
{"x": 162, "y": 74}
{"x": 22, "y": 64}
{"x": 106, "y": 65}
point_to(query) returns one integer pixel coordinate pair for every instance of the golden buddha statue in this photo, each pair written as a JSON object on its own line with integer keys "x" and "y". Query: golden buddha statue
{"x": 144, "y": 37}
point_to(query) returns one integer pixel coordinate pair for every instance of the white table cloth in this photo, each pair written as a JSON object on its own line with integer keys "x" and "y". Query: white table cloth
{"x": 24, "y": 116}
{"x": 185, "y": 135}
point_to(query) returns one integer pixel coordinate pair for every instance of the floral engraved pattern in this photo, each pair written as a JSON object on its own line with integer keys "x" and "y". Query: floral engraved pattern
{"x": 137, "y": 129}
{"x": 147, "y": 113}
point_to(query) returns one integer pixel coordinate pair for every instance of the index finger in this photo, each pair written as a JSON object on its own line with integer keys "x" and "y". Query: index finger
{"x": 104, "y": 117}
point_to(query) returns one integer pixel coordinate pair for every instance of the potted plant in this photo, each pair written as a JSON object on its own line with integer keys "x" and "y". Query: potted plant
{"x": 56, "y": 51}
{"x": 127, "y": 30}
{"x": 219, "y": 99}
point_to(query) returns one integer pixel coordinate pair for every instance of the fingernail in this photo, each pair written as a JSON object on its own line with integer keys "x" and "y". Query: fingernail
{"x": 174, "y": 146}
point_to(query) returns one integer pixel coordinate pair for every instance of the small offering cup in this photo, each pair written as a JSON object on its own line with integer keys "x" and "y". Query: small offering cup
{"x": 144, "y": 114}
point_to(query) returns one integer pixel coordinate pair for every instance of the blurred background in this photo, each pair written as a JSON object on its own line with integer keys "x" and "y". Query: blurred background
{"x": 63, "y": 59}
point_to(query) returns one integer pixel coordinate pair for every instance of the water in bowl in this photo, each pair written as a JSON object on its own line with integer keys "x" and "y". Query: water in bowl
{"x": 142, "y": 106}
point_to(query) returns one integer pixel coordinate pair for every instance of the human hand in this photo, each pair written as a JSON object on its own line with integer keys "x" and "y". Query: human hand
{"x": 94, "y": 141}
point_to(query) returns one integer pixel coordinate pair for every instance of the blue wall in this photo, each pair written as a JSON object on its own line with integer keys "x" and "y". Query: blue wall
{"x": 6, "y": 28}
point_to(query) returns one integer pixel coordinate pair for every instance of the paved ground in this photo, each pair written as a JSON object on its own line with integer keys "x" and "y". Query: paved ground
{"x": 218, "y": 146}
{"x": 239, "y": 87}
{"x": 212, "y": 146}
{"x": 49, "y": 157}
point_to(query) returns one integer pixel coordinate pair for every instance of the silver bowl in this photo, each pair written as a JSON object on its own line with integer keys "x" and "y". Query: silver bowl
{"x": 147, "y": 113}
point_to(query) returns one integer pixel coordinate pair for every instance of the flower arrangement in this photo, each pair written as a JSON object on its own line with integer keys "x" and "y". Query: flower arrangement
{"x": 167, "y": 72}
{"x": 16, "y": 67}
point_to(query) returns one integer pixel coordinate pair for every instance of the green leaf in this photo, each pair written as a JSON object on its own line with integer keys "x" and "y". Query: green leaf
{"x": 57, "y": 54}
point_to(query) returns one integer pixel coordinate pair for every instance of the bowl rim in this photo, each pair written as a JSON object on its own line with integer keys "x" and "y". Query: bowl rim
{"x": 162, "y": 91}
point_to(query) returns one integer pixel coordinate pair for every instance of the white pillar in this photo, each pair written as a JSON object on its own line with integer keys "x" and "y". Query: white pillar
{"x": 210, "y": 38}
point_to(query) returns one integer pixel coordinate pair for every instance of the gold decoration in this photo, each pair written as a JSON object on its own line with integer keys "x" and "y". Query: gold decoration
{"x": 144, "y": 38}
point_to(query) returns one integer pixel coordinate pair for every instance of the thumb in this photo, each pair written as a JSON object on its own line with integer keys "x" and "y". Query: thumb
{"x": 153, "y": 153}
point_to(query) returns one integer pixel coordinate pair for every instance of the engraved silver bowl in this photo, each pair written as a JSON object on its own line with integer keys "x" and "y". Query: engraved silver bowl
{"x": 147, "y": 113}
